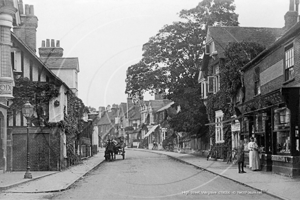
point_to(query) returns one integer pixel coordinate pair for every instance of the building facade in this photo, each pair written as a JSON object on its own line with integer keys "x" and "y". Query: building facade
{"x": 270, "y": 112}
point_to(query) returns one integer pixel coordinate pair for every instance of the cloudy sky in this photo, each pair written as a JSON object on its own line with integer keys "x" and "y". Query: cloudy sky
{"x": 107, "y": 35}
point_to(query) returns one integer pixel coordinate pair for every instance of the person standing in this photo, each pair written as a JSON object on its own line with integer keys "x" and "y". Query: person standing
{"x": 256, "y": 159}
{"x": 240, "y": 156}
{"x": 251, "y": 148}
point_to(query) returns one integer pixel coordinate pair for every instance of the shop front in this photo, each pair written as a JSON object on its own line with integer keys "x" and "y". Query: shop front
{"x": 273, "y": 120}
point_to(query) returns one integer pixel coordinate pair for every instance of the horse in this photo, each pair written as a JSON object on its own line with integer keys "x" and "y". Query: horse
{"x": 109, "y": 151}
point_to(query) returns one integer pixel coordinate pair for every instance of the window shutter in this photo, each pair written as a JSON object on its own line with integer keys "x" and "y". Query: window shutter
{"x": 211, "y": 84}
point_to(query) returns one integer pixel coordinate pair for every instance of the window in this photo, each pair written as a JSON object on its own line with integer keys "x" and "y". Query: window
{"x": 256, "y": 81}
{"x": 281, "y": 129}
{"x": 219, "y": 127}
{"x": 214, "y": 81}
{"x": 203, "y": 89}
{"x": 210, "y": 48}
{"x": 289, "y": 62}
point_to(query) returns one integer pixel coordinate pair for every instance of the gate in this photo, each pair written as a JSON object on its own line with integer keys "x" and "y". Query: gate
{"x": 39, "y": 152}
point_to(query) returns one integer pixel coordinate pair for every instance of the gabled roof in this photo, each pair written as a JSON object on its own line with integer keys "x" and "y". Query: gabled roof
{"x": 16, "y": 39}
{"x": 157, "y": 104}
{"x": 134, "y": 113}
{"x": 222, "y": 36}
{"x": 61, "y": 63}
{"x": 108, "y": 117}
{"x": 165, "y": 107}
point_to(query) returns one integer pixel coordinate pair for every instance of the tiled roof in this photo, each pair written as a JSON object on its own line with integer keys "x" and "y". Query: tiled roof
{"x": 157, "y": 104}
{"x": 165, "y": 107}
{"x": 108, "y": 117}
{"x": 222, "y": 36}
{"x": 287, "y": 36}
{"x": 134, "y": 113}
{"x": 61, "y": 63}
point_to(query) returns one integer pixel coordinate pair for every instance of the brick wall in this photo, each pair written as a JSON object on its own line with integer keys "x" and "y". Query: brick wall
{"x": 273, "y": 60}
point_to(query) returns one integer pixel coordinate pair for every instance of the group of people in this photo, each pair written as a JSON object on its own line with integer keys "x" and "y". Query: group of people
{"x": 254, "y": 160}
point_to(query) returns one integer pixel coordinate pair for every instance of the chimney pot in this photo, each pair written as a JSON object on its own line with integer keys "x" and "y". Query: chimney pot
{"x": 57, "y": 43}
{"x": 26, "y": 9}
{"x": 43, "y": 43}
{"x": 52, "y": 43}
{"x": 47, "y": 43}
{"x": 21, "y": 8}
{"x": 31, "y": 10}
{"x": 292, "y": 3}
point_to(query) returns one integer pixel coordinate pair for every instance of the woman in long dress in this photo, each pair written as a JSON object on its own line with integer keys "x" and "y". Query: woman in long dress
{"x": 256, "y": 159}
{"x": 254, "y": 162}
{"x": 250, "y": 148}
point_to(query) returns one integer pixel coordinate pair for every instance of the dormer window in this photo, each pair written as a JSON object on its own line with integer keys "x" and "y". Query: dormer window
{"x": 210, "y": 48}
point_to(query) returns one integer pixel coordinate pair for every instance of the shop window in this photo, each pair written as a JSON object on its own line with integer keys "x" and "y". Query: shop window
{"x": 219, "y": 127}
{"x": 245, "y": 126}
{"x": 282, "y": 128}
{"x": 297, "y": 140}
{"x": 289, "y": 62}
{"x": 283, "y": 142}
{"x": 281, "y": 118}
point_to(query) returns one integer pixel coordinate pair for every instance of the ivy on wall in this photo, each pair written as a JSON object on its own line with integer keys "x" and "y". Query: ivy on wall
{"x": 237, "y": 55}
{"x": 39, "y": 94}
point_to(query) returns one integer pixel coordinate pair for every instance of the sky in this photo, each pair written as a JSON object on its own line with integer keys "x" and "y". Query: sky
{"x": 107, "y": 35}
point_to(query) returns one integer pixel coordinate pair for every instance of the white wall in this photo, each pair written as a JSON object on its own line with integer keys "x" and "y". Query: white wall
{"x": 56, "y": 113}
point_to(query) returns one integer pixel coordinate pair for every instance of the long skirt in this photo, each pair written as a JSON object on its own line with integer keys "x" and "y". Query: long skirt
{"x": 255, "y": 164}
{"x": 250, "y": 159}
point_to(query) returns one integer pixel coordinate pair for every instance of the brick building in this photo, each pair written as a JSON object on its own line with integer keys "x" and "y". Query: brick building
{"x": 18, "y": 60}
{"x": 217, "y": 40}
{"x": 270, "y": 112}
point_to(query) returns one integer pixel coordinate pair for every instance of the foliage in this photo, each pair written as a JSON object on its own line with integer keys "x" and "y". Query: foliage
{"x": 212, "y": 12}
{"x": 172, "y": 58}
{"x": 38, "y": 94}
{"x": 237, "y": 55}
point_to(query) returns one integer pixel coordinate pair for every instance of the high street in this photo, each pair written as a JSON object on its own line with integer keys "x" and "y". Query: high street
{"x": 145, "y": 175}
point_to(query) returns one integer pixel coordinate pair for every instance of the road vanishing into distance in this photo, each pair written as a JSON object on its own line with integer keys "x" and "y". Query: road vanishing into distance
{"x": 146, "y": 175}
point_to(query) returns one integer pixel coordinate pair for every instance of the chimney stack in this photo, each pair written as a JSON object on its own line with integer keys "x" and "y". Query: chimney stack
{"x": 291, "y": 17}
{"x": 29, "y": 23}
{"x": 51, "y": 50}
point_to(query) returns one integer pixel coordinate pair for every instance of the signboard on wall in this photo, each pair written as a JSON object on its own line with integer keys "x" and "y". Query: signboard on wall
{"x": 235, "y": 126}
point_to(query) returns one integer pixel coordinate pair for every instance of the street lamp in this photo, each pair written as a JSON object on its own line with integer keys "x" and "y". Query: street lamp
{"x": 27, "y": 111}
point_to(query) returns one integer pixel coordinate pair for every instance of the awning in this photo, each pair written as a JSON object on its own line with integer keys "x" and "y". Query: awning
{"x": 151, "y": 130}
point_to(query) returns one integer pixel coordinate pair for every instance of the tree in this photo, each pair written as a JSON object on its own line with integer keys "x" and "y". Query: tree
{"x": 172, "y": 58}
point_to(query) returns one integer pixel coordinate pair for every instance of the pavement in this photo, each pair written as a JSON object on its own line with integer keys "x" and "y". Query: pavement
{"x": 278, "y": 186}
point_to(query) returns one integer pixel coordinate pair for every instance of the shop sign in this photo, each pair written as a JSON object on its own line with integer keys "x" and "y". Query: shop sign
{"x": 235, "y": 126}
{"x": 280, "y": 158}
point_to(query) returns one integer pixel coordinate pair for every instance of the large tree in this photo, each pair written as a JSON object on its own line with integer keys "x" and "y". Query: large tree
{"x": 172, "y": 58}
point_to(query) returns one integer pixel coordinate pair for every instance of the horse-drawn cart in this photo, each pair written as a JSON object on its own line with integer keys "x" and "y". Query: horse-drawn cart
{"x": 113, "y": 148}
